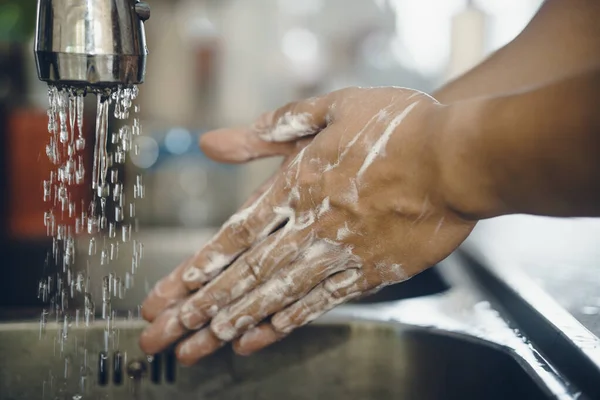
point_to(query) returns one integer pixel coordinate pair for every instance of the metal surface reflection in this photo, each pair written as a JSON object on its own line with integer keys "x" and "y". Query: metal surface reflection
{"x": 91, "y": 44}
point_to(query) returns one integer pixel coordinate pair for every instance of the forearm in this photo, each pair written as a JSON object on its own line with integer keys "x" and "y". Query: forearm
{"x": 535, "y": 152}
{"x": 562, "y": 39}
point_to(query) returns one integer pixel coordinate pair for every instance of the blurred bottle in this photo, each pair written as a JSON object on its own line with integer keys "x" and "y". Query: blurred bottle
{"x": 201, "y": 36}
{"x": 468, "y": 36}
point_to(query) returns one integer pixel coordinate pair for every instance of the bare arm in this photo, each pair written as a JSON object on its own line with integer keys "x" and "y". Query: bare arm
{"x": 562, "y": 39}
{"x": 535, "y": 152}
{"x": 388, "y": 182}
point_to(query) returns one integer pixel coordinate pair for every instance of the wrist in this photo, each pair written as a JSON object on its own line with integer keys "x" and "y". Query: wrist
{"x": 466, "y": 178}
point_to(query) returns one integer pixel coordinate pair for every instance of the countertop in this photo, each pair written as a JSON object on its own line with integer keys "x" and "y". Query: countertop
{"x": 562, "y": 255}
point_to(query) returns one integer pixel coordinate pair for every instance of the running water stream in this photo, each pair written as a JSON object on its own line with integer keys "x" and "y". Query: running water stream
{"x": 66, "y": 288}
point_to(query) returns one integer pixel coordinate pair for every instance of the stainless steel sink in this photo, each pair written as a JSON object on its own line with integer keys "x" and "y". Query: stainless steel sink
{"x": 328, "y": 360}
{"x": 459, "y": 343}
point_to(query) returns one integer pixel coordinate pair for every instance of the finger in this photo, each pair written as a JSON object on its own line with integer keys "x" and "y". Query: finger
{"x": 319, "y": 261}
{"x": 334, "y": 291}
{"x": 165, "y": 330}
{"x": 256, "y": 339}
{"x": 301, "y": 313}
{"x": 296, "y": 120}
{"x": 245, "y": 228}
{"x": 265, "y": 186}
{"x": 197, "y": 346}
{"x": 241, "y": 145}
{"x": 166, "y": 293}
{"x": 247, "y": 272}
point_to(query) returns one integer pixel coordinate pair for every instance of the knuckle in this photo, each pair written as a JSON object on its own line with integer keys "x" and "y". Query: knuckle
{"x": 243, "y": 233}
{"x": 253, "y": 264}
{"x": 342, "y": 285}
{"x": 282, "y": 322}
{"x": 223, "y": 329}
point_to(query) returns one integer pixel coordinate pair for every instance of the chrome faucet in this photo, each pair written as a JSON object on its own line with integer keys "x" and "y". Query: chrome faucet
{"x": 92, "y": 45}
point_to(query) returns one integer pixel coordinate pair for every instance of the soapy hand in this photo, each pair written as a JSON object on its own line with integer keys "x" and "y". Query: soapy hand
{"x": 357, "y": 205}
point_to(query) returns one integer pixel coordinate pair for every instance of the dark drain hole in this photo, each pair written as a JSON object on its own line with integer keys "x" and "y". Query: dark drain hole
{"x": 103, "y": 369}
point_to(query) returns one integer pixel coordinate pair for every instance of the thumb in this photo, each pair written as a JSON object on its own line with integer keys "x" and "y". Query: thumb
{"x": 295, "y": 120}
{"x": 275, "y": 133}
{"x": 235, "y": 146}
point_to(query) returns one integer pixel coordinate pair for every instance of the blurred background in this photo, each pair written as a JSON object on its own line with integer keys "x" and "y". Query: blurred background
{"x": 217, "y": 63}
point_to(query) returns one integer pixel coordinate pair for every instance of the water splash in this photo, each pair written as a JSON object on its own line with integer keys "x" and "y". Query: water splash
{"x": 105, "y": 221}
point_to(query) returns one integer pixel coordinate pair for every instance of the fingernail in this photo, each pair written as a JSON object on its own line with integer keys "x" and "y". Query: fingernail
{"x": 282, "y": 323}
{"x": 194, "y": 275}
{"x": 212, "y": 311}
{"x": 192, "y": 319}
{"x": 195, "y": 344}
{"x": 244, "y": 322}
{"x": 252, "y": 336}
{"x": 255, "y": 339}
{"x": 201, "y": 344}
{"x": 223, "y": 329}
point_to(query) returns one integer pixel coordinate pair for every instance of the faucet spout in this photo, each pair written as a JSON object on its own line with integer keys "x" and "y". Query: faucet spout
{"x": 92, "y": 45}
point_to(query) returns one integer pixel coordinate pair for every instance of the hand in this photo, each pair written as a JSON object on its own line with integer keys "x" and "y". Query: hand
{"x": 359, "y": 207}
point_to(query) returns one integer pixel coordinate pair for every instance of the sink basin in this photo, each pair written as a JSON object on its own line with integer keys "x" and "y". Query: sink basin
{"x": 354, "y": 360}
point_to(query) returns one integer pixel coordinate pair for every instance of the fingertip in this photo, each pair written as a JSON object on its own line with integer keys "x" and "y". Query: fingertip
{"x": 193, "y": 278}
{"x": 228, "y": 145}
{"x": 222, "y": 328}
{"x": 154, "y": 305}
{"x": 145, "y": 342}
{"x": 191, "y": 317}
{"x": 147, "y": 314}
{"x": 207, "y": 140}
{"x": 162, "y": 332}
{"x": 197, "y": 346}
{"x": 282, "y": 322}
{"x": 256, "y": 339}
{"x": 240, "y": 350}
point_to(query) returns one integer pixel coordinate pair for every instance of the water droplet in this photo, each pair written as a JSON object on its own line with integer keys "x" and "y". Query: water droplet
{"x": 114, "y": 251}
{"x": 90, "y": 309}
{"x": 104, "y": 257}
{"x": 114, "y": 175}
{"x": 119, "y": 215}
{"x": 106, "y": 308}
{"x": 119, "y": 156}
{"x": 47, "y": 191}
{"x": 102, "y": 222}
{"x": 92, "y": 247}
{"x": 137, "y": 127}
{"x": 128, "y": 280}
{"x": 92, "y": 226}
{"x": 80, "y": 144}
{"x": 103, "y": 190}
{"x": 43, "y": 322}
{"x": 126, "y": 233}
